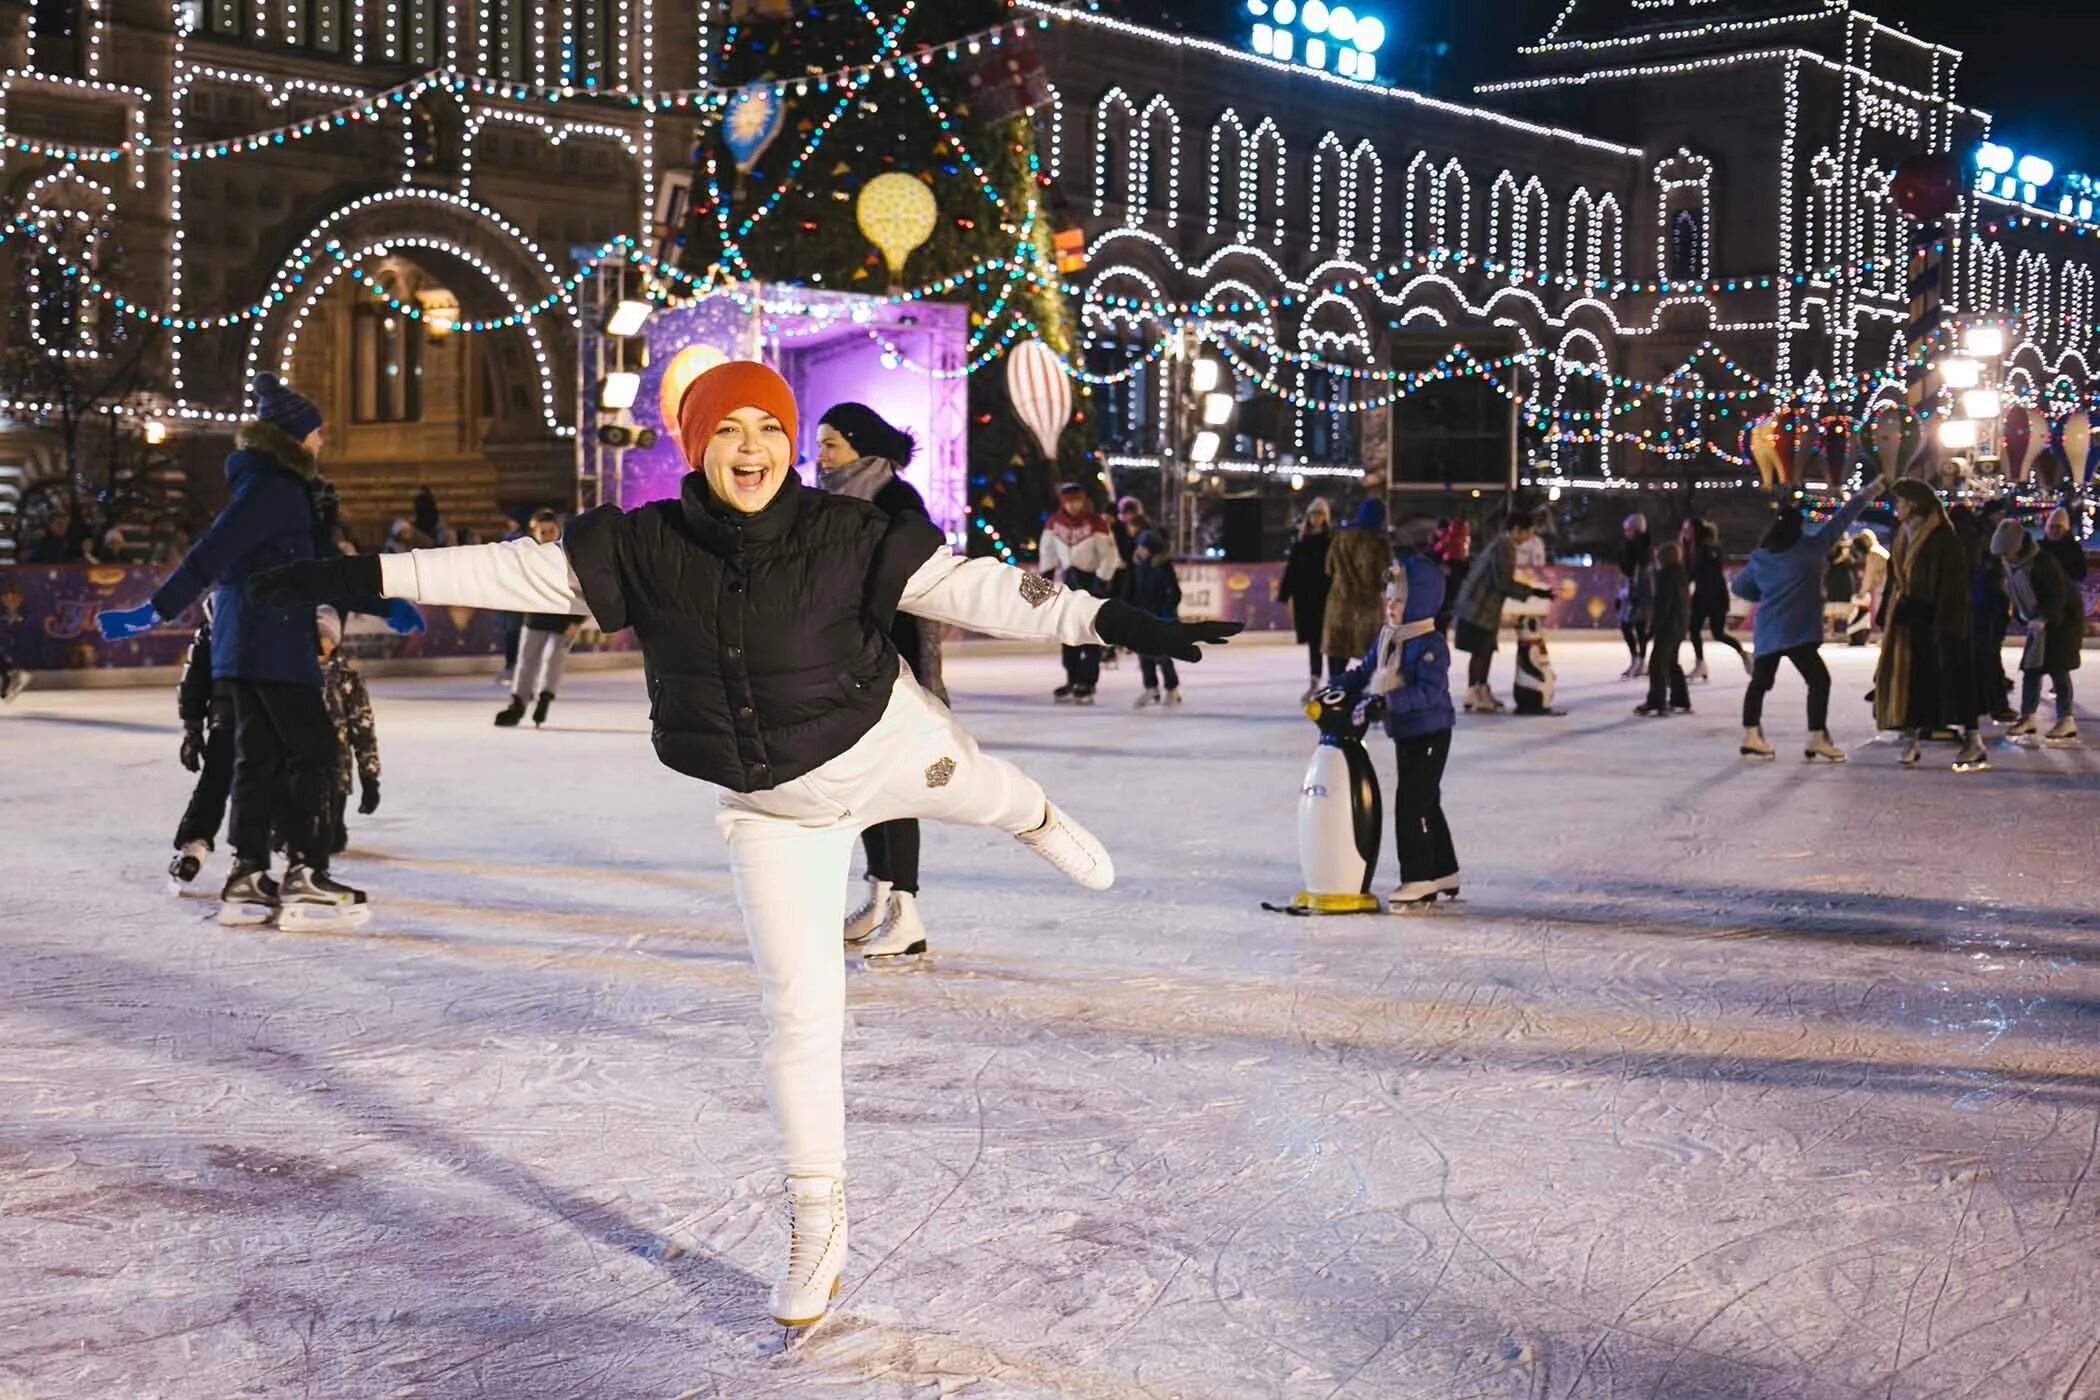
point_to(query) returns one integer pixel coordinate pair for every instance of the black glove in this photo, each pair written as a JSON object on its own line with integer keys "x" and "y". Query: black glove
{"x": 1914, "y": 612}
{"x": 369, "y": 803}
{"x": 1372, "y": 710}
{"x": 1543, "y": 594}
{"x": 193, "y": 747}
{"x": 1121, "y": 625}
{"x": 316, "y": 581}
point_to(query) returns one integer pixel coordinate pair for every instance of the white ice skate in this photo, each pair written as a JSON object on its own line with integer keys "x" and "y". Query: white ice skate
{"x": 1172, "y": 697}
{"x": 1414, "y": 897}
{"x": 1447, "y": 887}
{"x": 816, "y": 1250}
{"x": 901, "y": 937}
{"x": 1974, "y": 757}
{"x": 1913, "y": 750}
{"x": 1481, "y": 701}
{"x": 862, "y": 923}
{"x": 1822, "y": 748}
{"x": 2024, "y": 730}
{"x": 310, "y": 899}
{"x": 2062, "y": 735}
{"x": 1755, "y": 745}
{"x": 1071, "y": 848}
{"x": 1150, "y": 697}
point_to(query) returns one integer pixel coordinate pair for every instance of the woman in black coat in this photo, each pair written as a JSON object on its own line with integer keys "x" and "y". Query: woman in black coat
{"x": 1304, "y": 587}
{"x": 859, "y": 454}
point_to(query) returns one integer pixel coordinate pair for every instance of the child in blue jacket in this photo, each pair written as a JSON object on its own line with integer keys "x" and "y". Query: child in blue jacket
{"x": 1408, "y": 675}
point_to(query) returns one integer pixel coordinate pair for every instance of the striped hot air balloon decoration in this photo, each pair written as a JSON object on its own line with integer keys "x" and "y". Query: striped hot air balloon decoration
{"x": 1040, "y": 391}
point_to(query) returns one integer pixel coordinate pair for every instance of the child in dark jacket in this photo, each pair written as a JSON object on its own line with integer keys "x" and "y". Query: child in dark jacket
{"x": 1155, "y": 589}
{"x": 356, "y": 733}
{"x": 207, "y": 751}
{"x": 1407, "y": 675}
{"x": 1669, "y": 621}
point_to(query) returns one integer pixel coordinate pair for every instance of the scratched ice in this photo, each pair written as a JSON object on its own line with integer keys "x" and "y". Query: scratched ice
{"x": 1705, "y": 1093}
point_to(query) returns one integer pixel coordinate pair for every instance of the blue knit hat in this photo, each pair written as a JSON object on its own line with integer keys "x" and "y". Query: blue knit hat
{"x": 285, "y": 409}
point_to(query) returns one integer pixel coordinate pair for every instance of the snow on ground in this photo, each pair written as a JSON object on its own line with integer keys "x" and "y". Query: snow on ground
{"x": 1728, "y": 1081}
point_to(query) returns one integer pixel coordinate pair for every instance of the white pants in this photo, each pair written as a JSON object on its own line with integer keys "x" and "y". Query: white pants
{"x": 791, "y": 850}
{"x": 541, "y": 657}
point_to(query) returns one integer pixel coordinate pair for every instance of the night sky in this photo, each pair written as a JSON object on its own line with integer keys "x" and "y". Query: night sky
{"x": 2047, "y": 109}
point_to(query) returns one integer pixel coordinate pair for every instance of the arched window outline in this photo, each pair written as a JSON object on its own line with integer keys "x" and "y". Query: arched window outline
{"x": 1115, "y": 152}
{"x": 1226, "y": 158}
{"x": 1159, "y": 192}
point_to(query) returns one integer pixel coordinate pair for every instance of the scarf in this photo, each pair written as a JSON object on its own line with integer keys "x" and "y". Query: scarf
{"x": 860, "y": 478}
{"x": 1076, "y": 531}
{"x": 1907, "y": 543}
{"x": 1392, "y": 641}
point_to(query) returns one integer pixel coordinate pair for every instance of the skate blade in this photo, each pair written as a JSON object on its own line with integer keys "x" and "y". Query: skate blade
{"x": 2063, "y": 743}
{"x": 795, "y": 1329}
{"x": 1833, "y": 759}
{"x": 1755, "y": 757}
{"x": 1981, "y": 766}
{"x": 245, "y": 915}
{"x": 323, "y": 916}
{"x": 914, "y": 956}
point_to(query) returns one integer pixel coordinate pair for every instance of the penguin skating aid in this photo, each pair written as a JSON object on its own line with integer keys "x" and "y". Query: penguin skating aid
{"x": 1340, "y": 813}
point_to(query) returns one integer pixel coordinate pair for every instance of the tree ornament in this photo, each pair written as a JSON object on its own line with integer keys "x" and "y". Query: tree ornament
{"x": 1041, "y": 392}
{"x": 897, "y": 213}
{"x": 2019, "y": 435}
{"x": 2078, "y": 446}
{"x": 754, "y": 118}
{"x": 685, "y": 366}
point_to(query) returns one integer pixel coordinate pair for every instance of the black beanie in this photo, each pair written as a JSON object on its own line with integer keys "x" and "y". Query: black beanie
{"x": 869, "y": 434}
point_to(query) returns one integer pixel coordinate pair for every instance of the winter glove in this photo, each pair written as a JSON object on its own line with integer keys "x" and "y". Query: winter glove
{"x": 1914, "y": 612}
{"x": 318, "y": 581}
{"x": 193, "y": 747}
{"x": 1370, "y": 711}
{"x": 121, "y": 625}
{"x": 369, "y": 802}
{"x": 1544, "y": 595}
{"x": 402, "y": 618}
{"x": 1121, "y": 625}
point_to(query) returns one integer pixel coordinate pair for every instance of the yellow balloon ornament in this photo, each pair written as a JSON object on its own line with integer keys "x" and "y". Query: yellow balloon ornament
{"x": 896, "y": 211}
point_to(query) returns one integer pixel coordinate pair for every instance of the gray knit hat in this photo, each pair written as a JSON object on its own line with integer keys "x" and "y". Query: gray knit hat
{"x": 2009, "y": 540}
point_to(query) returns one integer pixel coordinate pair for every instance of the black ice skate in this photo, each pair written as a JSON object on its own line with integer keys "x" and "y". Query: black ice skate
{"x": 187, "y": 864}
{"x": 540, "y": 708}
{"x": 310, "y": 899}
{"x": 250, "y": 897}
{"x": 509, "y": 715}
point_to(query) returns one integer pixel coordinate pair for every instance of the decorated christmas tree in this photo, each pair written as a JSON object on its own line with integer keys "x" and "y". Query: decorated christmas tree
{"x": 779, "y": 179}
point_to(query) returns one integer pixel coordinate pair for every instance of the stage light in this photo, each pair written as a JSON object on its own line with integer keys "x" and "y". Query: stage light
{"x": 1315, "y": 15}
{"x": 1958, "y": 434}
{"x": 1984, "y": 342}
{"x": 1205, "y": 447}
{"x": 2035, "y": 171}
{"x": 1217, "y": 410}
{"x": 628, "y": 317}
{"x": 1982, "y": 404}
{"x": 1995, "y": 158}
{"x": 1341, "y": 23}
{"x": 617, "y": 391}
{"x": 1203, "y": 375}
{"x": 156, "y": 432}
{"x": 1370, "y": 33}
{"x": 1959, "y": 373}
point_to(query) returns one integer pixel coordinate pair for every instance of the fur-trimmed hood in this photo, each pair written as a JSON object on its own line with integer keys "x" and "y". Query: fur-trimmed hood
{"x": 254, "y": 435}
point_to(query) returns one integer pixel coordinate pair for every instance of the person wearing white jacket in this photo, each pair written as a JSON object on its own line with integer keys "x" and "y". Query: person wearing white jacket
{"x": 1078, "y": 549}
{"x": 763, "y": 608}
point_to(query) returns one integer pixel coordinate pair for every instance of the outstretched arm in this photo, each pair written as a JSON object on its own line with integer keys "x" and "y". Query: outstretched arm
{"x": 1827, "y": 534}
{"x": 516, "y": 575}
{"x": 987, "y": 596}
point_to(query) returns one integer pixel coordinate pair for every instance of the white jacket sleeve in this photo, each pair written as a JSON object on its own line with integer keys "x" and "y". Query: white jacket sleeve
{"x": 519, "y": 575}
{"x": 998, "y": 600}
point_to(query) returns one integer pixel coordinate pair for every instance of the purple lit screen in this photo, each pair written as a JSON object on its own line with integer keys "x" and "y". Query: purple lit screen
{"x": 840, "y": 348}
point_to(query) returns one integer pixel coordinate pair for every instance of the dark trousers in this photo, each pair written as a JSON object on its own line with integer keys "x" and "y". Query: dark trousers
{"x": 1986, "y": 651}
{"x": 283, "y": 771}
{"x": 1477, "y": 664}
{"x": 1666, "y": 680}
{"x": 338, "y": 832}
{"x": 1335, "y": 664}
{"x": 2031, "y": 691}
{"x": 1419, "y": 829}
{"x": 1636, "y": 635}
{"x": 893, "y": 853}
{"x": 207, "y": 809}
{"x": 1155, "y": 668}
{"x": 513, "y": 624}
{"x": 1083, "y": 666}
{"x": 1714, "y": 620}
{"x": 1764, "y": 670}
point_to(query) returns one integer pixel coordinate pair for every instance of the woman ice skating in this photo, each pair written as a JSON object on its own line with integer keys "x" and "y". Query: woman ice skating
{"x": 1079, "y": 550}
{"x": 1923, "y": 680}
{"x": 1304, "y": 588}
{"x": 1702, "y": 540}
{"x": 1784, "y": 577}
{"x": 1636, "y": 585}
{"x": 1407, "y": 675}
{"x": 763, "y": 611}
{"x": 1669, "y": 619}
{"x": 859, "y": 454}
{"x": 2052, "y": 610}
{"x": 544, "y": 640}
{"x": 265, "y": 654}
{"x": 1357, "y": 563}
{"x": 1490, "y": 582}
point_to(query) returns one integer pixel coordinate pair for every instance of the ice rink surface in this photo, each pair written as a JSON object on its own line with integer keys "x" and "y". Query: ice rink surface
{"x": 1727, "y": 1081}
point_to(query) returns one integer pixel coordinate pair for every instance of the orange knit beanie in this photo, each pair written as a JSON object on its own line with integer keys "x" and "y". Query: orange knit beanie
{"x": 721, "y": 391}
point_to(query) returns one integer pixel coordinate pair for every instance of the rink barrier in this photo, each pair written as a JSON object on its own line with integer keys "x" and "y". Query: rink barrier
{"x": 47, "y": 615}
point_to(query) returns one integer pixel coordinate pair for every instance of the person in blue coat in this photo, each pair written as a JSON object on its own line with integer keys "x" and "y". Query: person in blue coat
{"x": 1407, "y": 674}
{"x": 265, "y": 657}
{"x": 1784, "y": 577}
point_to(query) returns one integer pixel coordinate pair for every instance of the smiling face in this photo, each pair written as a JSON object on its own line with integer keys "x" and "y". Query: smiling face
{"x": 1073, "y": 503}
{"x": 747, "y": 459}
{"x": 833, "y": 451}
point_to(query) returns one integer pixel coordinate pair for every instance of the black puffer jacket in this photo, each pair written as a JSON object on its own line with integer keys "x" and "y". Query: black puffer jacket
{"x": 765, "y": 637}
